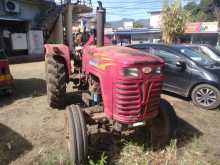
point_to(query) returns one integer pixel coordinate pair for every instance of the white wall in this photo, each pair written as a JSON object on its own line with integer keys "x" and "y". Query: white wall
{"x": 155, "y": 20}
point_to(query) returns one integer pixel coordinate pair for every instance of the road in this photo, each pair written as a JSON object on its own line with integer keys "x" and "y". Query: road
{"x": 31, "y": 132}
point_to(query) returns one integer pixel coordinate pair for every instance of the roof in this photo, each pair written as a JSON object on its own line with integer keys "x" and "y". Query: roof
{"x": 155, "y": 12}
{"x": 136, "y": 31}
{"x": 6, "y": 18}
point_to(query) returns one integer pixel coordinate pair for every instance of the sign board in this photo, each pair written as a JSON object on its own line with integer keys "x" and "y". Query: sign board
{"x": 19, "y": 41}
{"x": 202, "y": 27}
{"x": 36, "y": 42}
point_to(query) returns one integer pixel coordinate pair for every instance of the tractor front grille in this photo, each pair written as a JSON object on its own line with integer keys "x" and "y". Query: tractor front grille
{"x": 153, "y": 99}
{"x": 136, "y": 99}
{"x": 128, "y": 98}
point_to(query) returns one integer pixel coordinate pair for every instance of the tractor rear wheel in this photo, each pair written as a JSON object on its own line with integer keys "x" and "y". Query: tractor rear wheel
{"x": 76, "y": 135}
{"x": 163, "y": 126}
{"x": 56, "y": 81}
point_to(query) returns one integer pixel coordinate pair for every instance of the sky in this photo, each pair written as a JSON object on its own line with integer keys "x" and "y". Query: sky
{"x": 135, "y": 9}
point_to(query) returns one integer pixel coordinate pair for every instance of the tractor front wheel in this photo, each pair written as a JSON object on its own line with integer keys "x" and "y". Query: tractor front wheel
{"x": 163, "y": 126}
{"x": 76, "y": 135}
{"x": 56, "y": 81}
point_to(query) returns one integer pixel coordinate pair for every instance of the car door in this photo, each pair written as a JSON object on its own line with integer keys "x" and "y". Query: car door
{"x": 177, "y": 74}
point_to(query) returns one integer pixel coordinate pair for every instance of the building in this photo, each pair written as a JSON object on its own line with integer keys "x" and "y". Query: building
{"x": 202, "y": 33}
{"x": 25, "y": 25}
{"x": 155, "y": 17}
{"x": 128, "y": 24}
{"x": 20, "y": 30}
{"x": 133, "y": 36}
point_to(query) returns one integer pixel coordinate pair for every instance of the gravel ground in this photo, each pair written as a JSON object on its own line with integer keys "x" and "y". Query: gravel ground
{"x": 30, "y": 130}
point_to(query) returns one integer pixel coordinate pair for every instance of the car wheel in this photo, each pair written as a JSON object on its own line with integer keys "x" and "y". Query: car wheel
{"x": 206, "y": 96}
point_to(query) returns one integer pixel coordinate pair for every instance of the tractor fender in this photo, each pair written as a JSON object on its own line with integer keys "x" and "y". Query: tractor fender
{"x": 59, "y": 50}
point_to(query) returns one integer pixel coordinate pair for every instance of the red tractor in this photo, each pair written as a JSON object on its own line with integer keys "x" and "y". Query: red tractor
{"x": 120, "y": 87}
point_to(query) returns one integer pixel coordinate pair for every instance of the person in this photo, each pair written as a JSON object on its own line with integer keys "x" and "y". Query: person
{"x": 78, "y": 38}
{"x": 7, "y": 41}
{"x": 85, "y": 36}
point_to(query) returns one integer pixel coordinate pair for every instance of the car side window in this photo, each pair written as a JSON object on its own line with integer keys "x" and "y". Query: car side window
{"x": 143, "y": 48}
{"x": 168, "y": 56}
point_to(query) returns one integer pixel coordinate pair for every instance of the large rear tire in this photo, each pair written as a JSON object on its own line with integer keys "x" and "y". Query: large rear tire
{"x": 163, "y": 126}
{"x": 76, "y": 135}
{"x": 56, "y": 81}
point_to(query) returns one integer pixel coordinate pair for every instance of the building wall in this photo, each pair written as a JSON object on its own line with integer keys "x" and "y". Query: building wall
{"x": 21, "y": 24}
{"x": 155, "y": 20}
{"x": 28, "y": 11}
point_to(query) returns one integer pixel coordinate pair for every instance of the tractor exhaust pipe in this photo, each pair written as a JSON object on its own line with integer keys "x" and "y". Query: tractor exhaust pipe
{"x": 100, "y": 24}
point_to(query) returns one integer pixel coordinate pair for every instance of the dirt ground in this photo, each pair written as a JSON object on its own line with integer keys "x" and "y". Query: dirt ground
{"x": 32, "y": 133}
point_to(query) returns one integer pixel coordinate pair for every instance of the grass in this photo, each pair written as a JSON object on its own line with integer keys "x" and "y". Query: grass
{"x": 102, "y": 161}
{"x": 54, "y": 159}
{"x": 132, "y": 152}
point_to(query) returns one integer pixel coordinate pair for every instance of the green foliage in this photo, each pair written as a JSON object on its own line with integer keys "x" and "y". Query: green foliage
{"x": 138, "y": 25}
{"x": 206, "y": 10}
{"x": 173, "y": 22}
{"x": 102, "y": 161}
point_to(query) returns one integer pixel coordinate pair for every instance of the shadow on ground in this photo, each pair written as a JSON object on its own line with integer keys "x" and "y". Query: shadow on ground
{"x": 113, "y": 145}
{"x": 12, "y": 145}
{"x": 176, "y": 96}
{"x": 24, "y": 88}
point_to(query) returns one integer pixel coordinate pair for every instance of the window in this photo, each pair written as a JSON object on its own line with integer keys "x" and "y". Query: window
{"x": 144, "y": 48}
{"x": 168, "y": 56}
{"x": 199, "y": 58}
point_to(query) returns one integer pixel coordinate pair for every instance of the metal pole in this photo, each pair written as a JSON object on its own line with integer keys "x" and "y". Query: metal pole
{"x": 100, "y": 24}
{"x": 69, "y": 20}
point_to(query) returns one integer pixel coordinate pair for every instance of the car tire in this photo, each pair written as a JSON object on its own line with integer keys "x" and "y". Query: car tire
{"x": 206, "y": 96}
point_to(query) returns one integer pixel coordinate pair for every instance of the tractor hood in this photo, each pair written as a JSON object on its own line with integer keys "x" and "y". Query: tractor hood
{"x": 126, "y": 56}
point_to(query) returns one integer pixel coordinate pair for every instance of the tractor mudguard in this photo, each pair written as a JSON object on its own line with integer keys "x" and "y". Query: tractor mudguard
{"x": 59, "y": 50}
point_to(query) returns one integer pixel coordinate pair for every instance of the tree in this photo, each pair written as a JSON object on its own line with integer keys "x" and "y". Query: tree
{"x": 138, "y": 25}
{"x": 206, "y": 10}
{"x": 173, "y": 20}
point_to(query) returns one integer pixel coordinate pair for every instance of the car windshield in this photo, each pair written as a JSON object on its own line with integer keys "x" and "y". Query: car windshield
{"x": 2, "y": 55}
{"x": 199, "y": 58}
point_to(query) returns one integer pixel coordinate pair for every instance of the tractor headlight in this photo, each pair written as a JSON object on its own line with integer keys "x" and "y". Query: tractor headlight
{"x": 147, "y": 70}
{"x": 158, "y": 70}
{"x": 131, "y": 72}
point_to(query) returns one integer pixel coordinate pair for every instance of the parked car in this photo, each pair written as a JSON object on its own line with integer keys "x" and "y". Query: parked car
{"x": 188, "y": 73}
{"x": 207, "y": 50}
{"x": 6, "y": 79}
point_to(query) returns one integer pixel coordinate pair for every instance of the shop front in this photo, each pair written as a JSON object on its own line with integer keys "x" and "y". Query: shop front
{"x": 13, "y": 36}
{"x": 201, "y": 33}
